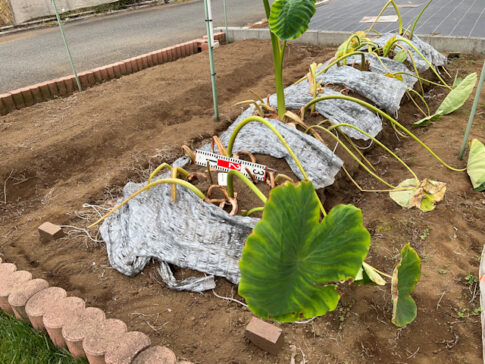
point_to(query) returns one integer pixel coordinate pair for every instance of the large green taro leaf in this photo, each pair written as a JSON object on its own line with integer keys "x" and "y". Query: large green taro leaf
{"x": 290, "y": 18}
{"x": 404, "y": 279}
{"x": 457, "y": 97}
{"x": 291, "y": 261}
{"x": 476, "y": 165}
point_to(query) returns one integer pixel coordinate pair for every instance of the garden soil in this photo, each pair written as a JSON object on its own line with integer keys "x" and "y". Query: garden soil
{"x": 57, "y": 156}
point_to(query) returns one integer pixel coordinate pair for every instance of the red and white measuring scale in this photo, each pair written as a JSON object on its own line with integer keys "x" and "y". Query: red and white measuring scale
{"x": 226, "y": 164}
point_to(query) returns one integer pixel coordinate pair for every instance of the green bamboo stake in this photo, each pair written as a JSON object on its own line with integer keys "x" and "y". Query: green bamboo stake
{"x": 67, "y": 46}
{"x": 473, "y": 112}
{"x": 211, "y": 60}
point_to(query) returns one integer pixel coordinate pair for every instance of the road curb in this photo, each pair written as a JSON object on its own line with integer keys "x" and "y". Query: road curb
{"x": 65, "y": 86}
{"x": 85, "y": 331}
{"x": 465, "y": 45}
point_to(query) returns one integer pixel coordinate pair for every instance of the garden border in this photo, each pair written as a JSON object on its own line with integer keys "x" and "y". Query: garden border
{"x": 466, "y": 45}
{"x": 109, "y": 340}
{"x": 65, "y": 86}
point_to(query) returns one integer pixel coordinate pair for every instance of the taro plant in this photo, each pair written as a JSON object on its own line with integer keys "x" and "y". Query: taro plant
{"x": 288, "y": 19}
{"x": 476, "y": 165}
{"x": 293, "y": 263}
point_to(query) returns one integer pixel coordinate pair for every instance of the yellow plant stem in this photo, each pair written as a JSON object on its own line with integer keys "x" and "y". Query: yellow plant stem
{"x": 247, "y": 182}
{"x": 389, "y": 118}
{"x": 252, "y": 211}
{"x": 281, "y": 139}
{"x": 398, "y": 13}
{"x": 176, "y": 181}
{"x": 179, "y": 171}
{"x": 408, "y": 92}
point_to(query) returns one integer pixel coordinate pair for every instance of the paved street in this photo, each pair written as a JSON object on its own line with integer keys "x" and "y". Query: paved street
{"x": 37, "y": 56}
{"x": 444, "y": 17}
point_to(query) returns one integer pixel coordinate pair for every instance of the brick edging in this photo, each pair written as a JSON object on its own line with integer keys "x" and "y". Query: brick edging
{"x": 85, "y": 332}
{"x": 65, "y": 86}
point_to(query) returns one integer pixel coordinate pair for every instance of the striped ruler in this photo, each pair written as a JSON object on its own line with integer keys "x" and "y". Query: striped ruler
{"x": 225, "y": 164}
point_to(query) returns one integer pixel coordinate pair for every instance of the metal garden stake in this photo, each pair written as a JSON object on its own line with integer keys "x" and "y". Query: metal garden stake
{"x": 208, "y": 22}
{"x": 67, "y": 46}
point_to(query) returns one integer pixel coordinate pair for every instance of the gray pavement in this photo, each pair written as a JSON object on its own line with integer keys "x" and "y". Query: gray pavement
{"x": 444, "y": 17}
{"x": 36, "y": 56}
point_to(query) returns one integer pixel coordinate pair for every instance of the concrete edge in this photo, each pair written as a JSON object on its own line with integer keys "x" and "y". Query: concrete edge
{"x": 126, "y": 351}
{"x": 465, "y": 45}
{"x": 65, "y": 86}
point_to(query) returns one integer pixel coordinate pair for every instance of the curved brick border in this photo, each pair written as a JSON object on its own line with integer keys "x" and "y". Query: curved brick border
{"x": 86, "y": 331}
{"x": 65, "y": 86}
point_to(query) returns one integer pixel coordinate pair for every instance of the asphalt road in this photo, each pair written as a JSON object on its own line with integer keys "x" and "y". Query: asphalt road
{"x": 36, "y": 56}
{"x": 465, "y": 18}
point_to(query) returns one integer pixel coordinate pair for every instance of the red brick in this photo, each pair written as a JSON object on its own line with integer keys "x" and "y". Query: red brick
{"x": 159, "y": 56}
{"x": 111, "y": 72}
{"x": 155, "y": 355}
{"x": 97, "y": 76}
{"x": 204, "y": 46}
{"x": 18, "y": 99}
{"x": 45, "y": 91}
{"x": 49, "y": 231}
{"x": 70, "y": 84}
{"x": 58, "y": 314}
{"x": 83, "y": 78}
{"x": 264, "y": 335}
{"x": 128, "y": 66}
{"x": 144, "y": 61}
{"x": 61, "y": 86}
{"x": 8, "y": 284}
{"x": 221, "y": 37}
{"x": 6, "y": 269}
{"x": 123, "y": 69}
{"x": 53, "y": 90}
{"x": 149, "y": 59}
{"x": 6, "y": 104}
{"x": 36, "y": 93}
{"x": 91, "y": 78}
{"x": 104, "y": 73}
{"x": 178, "y": 52}
{"x": 76, "y": 329}
{"x": 96, "y": 343}
{"x": 21, "y": 294}
{"x": 27, "y": 95}
{"x": 123, "y": 350}
{"x": 154, "y": 56}
{"x": 117, "y": 70}
{"x": 38, "y": 304}
{"x": 189, "y": 48}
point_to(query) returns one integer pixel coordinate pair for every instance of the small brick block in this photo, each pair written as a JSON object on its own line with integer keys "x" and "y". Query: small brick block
{"x": 117, "y": 70}
{"x": 123, "y": 68}
{"x": 96, "y": 343}
{"x": 70, "y": 84}
{"x": 61, "y": 86}
{"x": 40, "y": 302}
{"x": 128, "y": 67}
{"x": 8, "y": 284}
{"x": 53, "y": 89}
{"x": 83, "y": 78}
{"x": 91, "y": 79}
{"x": 111, "y": 72}
{"x": 6, "y": 269}
{"x": 154, "y": 56}
{"x": 149, "y": 60}
{"x": 49, "y": 231}
{"x": 264, "y": 335}
{"x": 178, "y": 52}
{"x": 126, "y": 348}
{"x": 7, "y": 102}
{"x": 27, "y": 96}
{"x": 104, "y": 73}
{"x": 97, "y": 75}
{"x": 144, "y": 61}
{"x": 159, "y": 55}
{"x": 134, "y": 64}
{"x": 21, "y": 294}
{"x": 18, "y": 99}
{"x": 74, "y": 331}
{"x": 58, "y": 314}
{"x": 155, "y": 355}
{"x": 37, "y": 94}
{"x": 45, "y": 91}
{"x": 204, "y": 46}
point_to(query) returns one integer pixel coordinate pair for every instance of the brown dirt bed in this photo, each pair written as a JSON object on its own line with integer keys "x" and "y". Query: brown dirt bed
{"x": 83, "y": 149}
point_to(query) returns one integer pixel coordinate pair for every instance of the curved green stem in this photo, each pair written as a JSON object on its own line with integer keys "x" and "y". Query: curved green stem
{"x": 180, "y": 171}
{"x": 396, "y": 8}
{"x": 408, "y": 42}
{"x": 247, "y": 182}
{"x": 353, "y": 155}
{"x": 147, "y": 187}
{"x": 416, "y": 70}
{"x": 238, "y": 128}
{"x": 379, "y": 144}
{"x": 420, "y": 78}
{"x": 392, "y": 120}
{"x": 422, "y": 100}
{"x": 416, "y": 21}
{"x": 252, "y": 211}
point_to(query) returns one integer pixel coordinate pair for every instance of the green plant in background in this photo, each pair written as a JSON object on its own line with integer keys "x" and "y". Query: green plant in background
{"x": 288, "y": 19}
